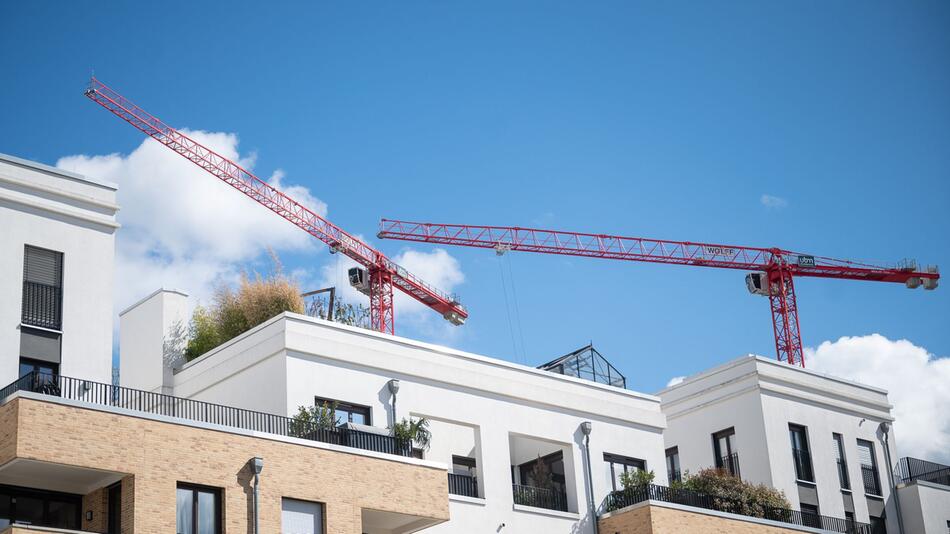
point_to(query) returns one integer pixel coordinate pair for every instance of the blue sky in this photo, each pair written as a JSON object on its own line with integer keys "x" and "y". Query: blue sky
{"x": 666, "y": 120}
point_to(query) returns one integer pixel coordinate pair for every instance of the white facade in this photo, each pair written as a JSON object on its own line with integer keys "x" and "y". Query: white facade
{"x": 499, "y": 413}
{"x": 759, "y": 399}
{"x": 59, "y": 211}
{"x": 925, "y": 507}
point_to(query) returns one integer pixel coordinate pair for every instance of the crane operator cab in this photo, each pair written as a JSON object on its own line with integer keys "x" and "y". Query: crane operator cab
{"x": 758, "y": 283}
{"x": 359, "y": 279}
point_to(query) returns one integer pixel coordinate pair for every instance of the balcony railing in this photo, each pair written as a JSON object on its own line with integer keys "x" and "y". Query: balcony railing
{"x": 629, "y": 497}
{"x": 911, "y": 470}
{"x": 803, "y": 470}
{"x": 843, "y": 474}
{"x": 42, "y": 305}
{"x": 464, "y": 485}
{"x": 674, "y": 475}
{"x": 200, "y": 411}
{"x": 552, "y": 499}
{"x": 730, "y": 464}
{"x": 872, "y": 482}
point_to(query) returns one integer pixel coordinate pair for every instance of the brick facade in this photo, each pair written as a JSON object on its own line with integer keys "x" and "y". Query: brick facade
{"x": 653, "y": 519}
{"x": 154, "y": 456}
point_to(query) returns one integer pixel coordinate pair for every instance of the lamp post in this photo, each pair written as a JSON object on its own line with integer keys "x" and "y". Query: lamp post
{"x": 257, "y": 465}
{"x": 394, "y": 388}
{"x": 586, "y": 428}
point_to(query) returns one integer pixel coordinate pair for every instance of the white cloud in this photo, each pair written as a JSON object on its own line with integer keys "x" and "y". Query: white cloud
{"x": 771, "y": 201}
{"x": 183, "y": 228}
{"x": 675, "y": 380}
{"x": 915, "y": 379}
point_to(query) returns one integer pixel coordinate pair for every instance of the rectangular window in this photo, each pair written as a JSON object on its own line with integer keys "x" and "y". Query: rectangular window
{"x": 841, "y": 461}
{"x": 40, "y": 508}
{"x": 347, "y": 412}
{"x": 800, "y": 453}
{"x": 300, "y": 517}
{"x": 869, "y": 474}
{"x": 724, "y": 449}
{"x": 198, "y": 510}
{"x": 810, "y": 515}
{"x": 462, "y": 477}
{"x": 618, "y": 465}
{"x": 673, "y": 464}
{"x": 42, "y": 301}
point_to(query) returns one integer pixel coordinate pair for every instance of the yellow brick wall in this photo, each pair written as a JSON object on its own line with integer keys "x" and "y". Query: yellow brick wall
{"x": 158, "y": 455}
{"x": 662, "y": 520}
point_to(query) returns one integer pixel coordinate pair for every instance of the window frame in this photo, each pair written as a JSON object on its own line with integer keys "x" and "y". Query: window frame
{"x": 802, "y": 430}
{"x": 348, "y": 407}
{"x": 613, "y": 460}
{"x": 674, "y": 466}
{"x": 844, "y": 478}
{"x": 200, "y": 488}
{"x": 14, "y": 492}
{"x": 58, "y": 286}
{"x": 874, "y": 468}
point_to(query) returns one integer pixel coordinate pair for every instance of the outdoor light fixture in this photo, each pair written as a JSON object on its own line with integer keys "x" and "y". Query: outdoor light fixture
{"x": 394, "y": 388}
{"x": 88, "y": 515}
{"x": 586, "y": 428}
{"x": 257, "y": 465}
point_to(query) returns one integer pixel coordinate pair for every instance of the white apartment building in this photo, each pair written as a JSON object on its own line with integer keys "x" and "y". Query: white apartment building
{"x": 491, "y": 420}
{"x": 57, "y": 243}
{"x": 815, "y": 437}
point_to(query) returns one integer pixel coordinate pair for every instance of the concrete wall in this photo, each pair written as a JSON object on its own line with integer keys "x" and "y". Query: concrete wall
{"x": 494, "y": 399}
{"x": 68, "y": 213}
{"x": 925, "y": 507}
{"x": 151, "y": 335}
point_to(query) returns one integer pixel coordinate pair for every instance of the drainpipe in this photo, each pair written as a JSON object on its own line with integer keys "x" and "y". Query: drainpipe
{"x": 585, "y": 429}
{"x": 257, "y": 465}
{"x": 885, "y": 428}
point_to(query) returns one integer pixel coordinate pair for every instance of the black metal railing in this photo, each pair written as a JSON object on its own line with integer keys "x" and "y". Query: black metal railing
{"x": 803, "y": 470}
{"x": 872, "y": 482}
{"x": 730, "y": 464}
{"x": 551, "y": 499}
{"x": 912, "y": 469}
{"x": 200, "y": 411}
{"x": 466, "y": 485}
{"x": 628, "y": 497}
{"x": 42, "y": 305}
{"x": 843, "y": 474}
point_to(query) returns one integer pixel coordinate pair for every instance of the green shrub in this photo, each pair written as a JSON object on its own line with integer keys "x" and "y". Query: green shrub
{"x": 413, "y": 430}
{"x": 636, "y": 480}
{"x": 315, "y": 417}
{"x": 733, "y": 494}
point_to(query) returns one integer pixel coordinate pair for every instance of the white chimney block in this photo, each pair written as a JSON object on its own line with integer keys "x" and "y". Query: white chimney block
{"x": 152, "y": 335}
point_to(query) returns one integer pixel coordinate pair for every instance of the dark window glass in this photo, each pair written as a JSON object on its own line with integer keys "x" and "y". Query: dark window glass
{"x": 618, "y": 465}
{"x": 724, "y": 450}
{"x": 843, "y": 477}
{"x": 198, "y": 510}
{"x": 800, "y": 453}
{"x": 673, "y": 464}
{"x": 463, "y": 465}
{"x": 28, "y": 510}
{"x": 63, "y": 514}
{"x": 42, "y": 288}
{"x": 39, "y": 508}
{"x": 347, "y": 412}
{"x": 869, "y": 473}
{"x": 115, "y": 509}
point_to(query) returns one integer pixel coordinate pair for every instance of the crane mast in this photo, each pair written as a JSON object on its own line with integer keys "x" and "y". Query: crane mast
{"x": 774, "y": 269}
{"x": 381, "y": 273}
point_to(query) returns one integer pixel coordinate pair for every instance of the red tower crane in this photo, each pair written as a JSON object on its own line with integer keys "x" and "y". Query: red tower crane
{"x": 774, "y": 269}
{"x": 380, "y": 274}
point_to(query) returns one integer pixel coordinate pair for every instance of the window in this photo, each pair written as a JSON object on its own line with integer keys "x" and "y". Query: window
{"x": 43, "y": 375}
{"x": 841, "y": 461}
{"x": 463, "y": 465}
{"x": 42, "y": 303}
{"x": 724, "y": 448}
{"x": 810, "y": 515}
{"x": 347, "y": 412}
{"x": 40, "y": 508}
{"x": 869, "y": 474}
{"x": 300, "y": 517}
{"x": 115, "y": 509}
{"x": 800, "y": 453}
{"x": 462, "y": 477}
{"x": 554, "y": 465}
{"x": 673, "y": 464}
{"x": 198, "y": 510}
{"x": 878, "y": 525}
{"x": 618, "y": 465}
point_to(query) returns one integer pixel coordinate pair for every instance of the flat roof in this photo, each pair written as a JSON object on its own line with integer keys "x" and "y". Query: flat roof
{"x": 57, "y": 171}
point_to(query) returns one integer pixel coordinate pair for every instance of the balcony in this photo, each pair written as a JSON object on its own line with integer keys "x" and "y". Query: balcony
{"x": 624, "y": 498}
{"x": 872, "y": 482}
{"x": 911, "y": 470}
{"x": 803, "y": 469}
{"x": 549, "y": 498}
{"x": 730, "y": 464}
{"x": 204, "y": 412}
{"x": 464, "y": 485}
